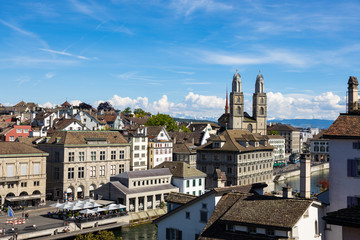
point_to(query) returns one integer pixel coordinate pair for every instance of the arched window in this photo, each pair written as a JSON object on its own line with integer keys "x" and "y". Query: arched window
{"x": 262, "y": 100}
{"x": 238, "y": 110}
{"x": 261, "y": 87}
{"x": 238, "y": 99}
{"x": 250, "y": 128}
{"x": 322, "y": 149}
{"x": 316, "y": 148}
{"x": 262, "y": 111}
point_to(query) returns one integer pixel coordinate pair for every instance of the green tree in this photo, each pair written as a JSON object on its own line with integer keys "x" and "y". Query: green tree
{"x": 102, "y": 235}
{"x": 162, "y": 120}
{"x": 140, "y": 112}
{"x": 184, "y": 129}
{"x": 273, "y": 132}
{"x": 127, "y": 110}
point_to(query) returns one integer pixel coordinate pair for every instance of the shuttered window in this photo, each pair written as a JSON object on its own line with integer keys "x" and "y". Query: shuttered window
{"x": 23, "y": 169}
{"x": 10, "y": 170}
{"x": 36, "y": 169}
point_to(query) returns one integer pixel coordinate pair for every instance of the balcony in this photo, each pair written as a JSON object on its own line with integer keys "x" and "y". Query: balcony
{"x": 9, "y": 179}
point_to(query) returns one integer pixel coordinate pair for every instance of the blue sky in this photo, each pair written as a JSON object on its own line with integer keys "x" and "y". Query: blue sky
{"x": 177, "y": 57}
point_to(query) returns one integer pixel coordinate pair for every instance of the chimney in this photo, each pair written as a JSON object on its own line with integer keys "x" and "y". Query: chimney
{"x": 305, "y": 175}
{"x": 287, "y": 192}
{"x": 352, "y": 94}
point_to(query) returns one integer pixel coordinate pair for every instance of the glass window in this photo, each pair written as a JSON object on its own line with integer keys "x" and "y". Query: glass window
{"x": 199, "y": 181}
{"x": 81, "y": 172}
{"x": 36, "y": 168}
{"x": 194, "y": 182}
{"x": 18, "y": 130}
{"x": 187, "y": 183}
{"x": 93, "y": 171}
{"x": 112, "y": 169}
{"x": 81, "y": 156}
{"x": 71, "y": 156}
{"x": 102, "y": 171}
{"x": 113, "y": 155}
{"x": 121, "y": 154}
{"x": 102, "y": 155}
{"x": 93, "y": 156}
{"x": 71, "y": 173}
{"x": 121, "y": 168}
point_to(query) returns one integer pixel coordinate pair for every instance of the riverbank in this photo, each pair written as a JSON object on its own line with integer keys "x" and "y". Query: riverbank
{"x": 57, "y": 229}
{"x": 294, "y": 172}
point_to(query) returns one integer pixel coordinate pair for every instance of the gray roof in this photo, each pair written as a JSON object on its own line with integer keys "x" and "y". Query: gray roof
{"x": 143, "y": 174}
{"x": 135, "y": 190}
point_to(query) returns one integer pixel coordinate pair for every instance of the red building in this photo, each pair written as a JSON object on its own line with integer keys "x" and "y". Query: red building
{"x": 11, "y": 134}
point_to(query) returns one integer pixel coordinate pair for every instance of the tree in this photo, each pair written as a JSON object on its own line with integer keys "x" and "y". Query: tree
{"x": 273, "y": 132}
{"x": 162, "y": 120}
{"x": 323, "y": 185}
{"x": 106, "y": 106}
{"x": 85, "y": 106}
{"x": 140, "y": 112}
{"x": 102, "y": 235}
{"x": 127, "y": 110}
{"x": 184, "y": 129}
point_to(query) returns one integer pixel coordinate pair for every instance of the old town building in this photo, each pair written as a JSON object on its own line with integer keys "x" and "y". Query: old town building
{"x": 81, "y": 161}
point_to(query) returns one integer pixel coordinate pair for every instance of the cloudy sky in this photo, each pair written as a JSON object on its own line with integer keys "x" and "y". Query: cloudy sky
{"x": 178, "y": 57}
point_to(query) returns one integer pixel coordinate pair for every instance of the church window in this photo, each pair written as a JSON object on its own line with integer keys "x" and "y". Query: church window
{"x": 250, "y": 128}
{"x": 262, "y": 112}
{"x": 238, "y": 110}
{"x": 262, "y": 100}
{"x": 238, "y": 100}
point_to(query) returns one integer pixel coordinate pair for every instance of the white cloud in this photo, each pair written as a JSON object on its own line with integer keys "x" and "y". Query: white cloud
{"x": 64, "y": 53}
{"x": 49, "y": 75}
{"x": 187, "y": 7}
{"x": 75, "y": 102}
{"x": 324, "y": 106}
{"x": 47, "y": 105}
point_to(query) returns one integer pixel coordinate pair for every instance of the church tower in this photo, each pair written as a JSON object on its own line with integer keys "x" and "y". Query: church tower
{"x": 236, "y": 103}
{"x": 260, "y": 105}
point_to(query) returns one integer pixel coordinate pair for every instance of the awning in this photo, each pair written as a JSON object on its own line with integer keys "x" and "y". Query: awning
{"x": 91, "y": 188}
{"x": 79, "y": 189}
{"x": 22, "y": 198}
{"x": 69, "y": 190}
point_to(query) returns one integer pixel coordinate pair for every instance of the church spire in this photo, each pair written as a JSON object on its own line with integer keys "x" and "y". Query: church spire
{"x": 227, "y": 102}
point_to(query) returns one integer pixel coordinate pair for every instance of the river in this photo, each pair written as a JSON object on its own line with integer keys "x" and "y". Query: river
{"x": 143, "y": 231}
{"x": 294, "y": 182}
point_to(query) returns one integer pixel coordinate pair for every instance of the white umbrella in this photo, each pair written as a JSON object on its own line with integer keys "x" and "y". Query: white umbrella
{"x": 99, "y": 209}
{"x": 89, "y": 200}
{"x": 62, "y": 206}
{"x": 121, "y": 206}
{"x": 111, "y": 207}
{"x": 74, "y": 207}
{"x": 87, "y": 211}
{"x": 56, "y": 204}
{"x": 87, "y": 205}
{"x": 94, "y": 204}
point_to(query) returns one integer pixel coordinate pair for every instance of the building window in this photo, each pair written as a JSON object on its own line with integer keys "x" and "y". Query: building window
{"x": 200, "y": 192}
{"x": 203, "y": 216}
{"x": 121, "y": 154}
{"x": 270, "y": 232}
{"x": 11, "y": 138}
{"x": 113, "y": 155}
{"x": 36, "y": 169}
{"x": 194, "y": 182}
{"x": 70, "y": 173}
{"x": 143, "y": 147}
{"x": 252, "y": 229}
{"x": 36, "y": 183}
{"x": 173, "y": 234}
{"x": 81, "y": 172}
{"x": 57, "y": 173}
{"x": 102, "y": 171}
{"x": 229, "y": 157}
{"x": 353, "y": 168}
{"x": 187, "y": 215}
{"x": 187, "y": 183}
{"x": 81, "y": 156}
{"x": 136, "y": 147}
{"x": 71, "y": 156}
{"x": 229, "y": 170}
{"x": 112, "y": 169}
{"x": 102, "y": 155}
{"x": 93, "y": 156}
{"x": 18, "y": 130}
{"x": 26, "y": 130}
{"x": 136, "y": 155}
{"x": 194, "y": 193}
{"x": 204, "y": 205}
{"x": 57, "y": 157}
{"x": 24, "y": 184}
{"x": 200, "y": 182}
{"x": 121, "y": 168}
{"x": 93, "y": 171}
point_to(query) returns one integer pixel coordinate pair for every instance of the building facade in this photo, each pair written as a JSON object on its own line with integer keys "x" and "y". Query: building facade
{"x": 138, "y": 190}
{"x": 237, "y": 118}
{"x": 81, "y": 161}
{"x": 11, "y": 134}
{"x": 291, "y": 135}
{"x": 22, "y": 175}
{"x": 139, "y": 150}
{"x": 278, "y": 142}
{"x": 319, "y": 148}
{"x": 245, "y": 157}
{"x": 160, "y": 146}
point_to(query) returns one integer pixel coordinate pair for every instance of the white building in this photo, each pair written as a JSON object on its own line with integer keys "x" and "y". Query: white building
{"x": 90, "y": 120}
{"x": 278, "y": 142}
{"x": 188, "y": 179}
{"x": 160, "y": 146}
{"x": 139, "y": 150}
{"x": 194, "y": 215}
{"x": 344, "y": 176}
{"x": 251, "y": 216}
{"x": 319, "y": 148}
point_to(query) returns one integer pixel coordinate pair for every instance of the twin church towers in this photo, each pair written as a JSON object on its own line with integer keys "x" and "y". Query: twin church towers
{"x": 237, "y": 118}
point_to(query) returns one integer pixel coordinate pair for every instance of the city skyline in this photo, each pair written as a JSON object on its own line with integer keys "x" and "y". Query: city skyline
{"x": 178, "y": 57}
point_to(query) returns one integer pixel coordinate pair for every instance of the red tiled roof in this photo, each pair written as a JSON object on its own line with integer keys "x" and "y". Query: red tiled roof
{"x": 345, "y": 126}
